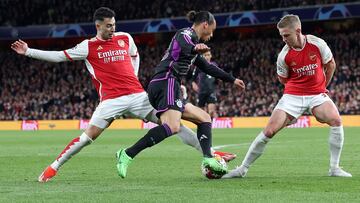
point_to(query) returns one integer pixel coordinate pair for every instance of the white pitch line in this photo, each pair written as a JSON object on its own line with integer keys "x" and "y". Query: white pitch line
{"x": 243, "y": 144}
{"x": 230, "y": 145}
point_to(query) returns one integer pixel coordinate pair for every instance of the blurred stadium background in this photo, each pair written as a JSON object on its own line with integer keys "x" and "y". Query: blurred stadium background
{"x": 246, "y": 43}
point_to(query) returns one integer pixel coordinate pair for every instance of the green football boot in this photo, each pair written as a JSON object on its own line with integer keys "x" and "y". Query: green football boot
{"x": 123, "y": 162}
{"x": 214, "y": 164}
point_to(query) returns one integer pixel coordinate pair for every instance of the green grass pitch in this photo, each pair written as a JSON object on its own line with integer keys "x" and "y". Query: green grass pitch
{"x": 293, "y": 168}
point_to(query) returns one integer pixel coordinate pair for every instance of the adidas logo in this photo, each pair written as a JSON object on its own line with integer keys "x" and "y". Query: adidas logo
{"x": 293, "y": 63}
{"x": 203, "y": 137}
{"x": 99, "y": 48}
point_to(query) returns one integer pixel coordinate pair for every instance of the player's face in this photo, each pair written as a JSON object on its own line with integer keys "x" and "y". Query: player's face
{"x": 207, "y": 55}
{"x": 106, "y": 28}
{"x": 208, "y": 31}
{"x": 289, "y": 36}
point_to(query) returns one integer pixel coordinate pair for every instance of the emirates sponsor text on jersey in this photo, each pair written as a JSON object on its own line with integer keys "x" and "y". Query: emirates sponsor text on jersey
{"x": 112, "y": 55}
{"x": 306, "y": 70}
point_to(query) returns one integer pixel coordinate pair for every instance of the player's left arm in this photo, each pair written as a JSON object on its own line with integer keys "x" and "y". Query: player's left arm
{"x": 135, "y": 58}
{"x": 327, "y": 59}
{"x": 212, "y": 70}
{"x": 216, "y": 72}
{"x": 329, "y": 70}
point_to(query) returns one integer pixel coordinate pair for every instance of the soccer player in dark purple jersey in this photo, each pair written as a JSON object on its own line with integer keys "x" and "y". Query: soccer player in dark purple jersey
{"x": 164, "y": 91}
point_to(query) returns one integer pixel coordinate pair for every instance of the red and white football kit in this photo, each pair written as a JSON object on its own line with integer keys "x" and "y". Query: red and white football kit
{"x": 306, "y": 83}
{"x": 113, "y": 65}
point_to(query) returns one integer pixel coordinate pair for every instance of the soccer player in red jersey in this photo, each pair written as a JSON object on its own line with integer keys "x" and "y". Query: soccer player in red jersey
{"x": 113, "y": 61}
{"x": 305, "y": 66}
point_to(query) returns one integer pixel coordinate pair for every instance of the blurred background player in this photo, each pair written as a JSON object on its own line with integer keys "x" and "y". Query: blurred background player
{"x": 165, "y": 92}
{"x": 113, "y": 62}
{"x": 305, "y": 66}
{"x": 204, "y": 85}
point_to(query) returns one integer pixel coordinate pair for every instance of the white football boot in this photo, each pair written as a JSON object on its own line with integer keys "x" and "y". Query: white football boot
{"x": 338, "y": 172}
{"x": 238, "y": 172}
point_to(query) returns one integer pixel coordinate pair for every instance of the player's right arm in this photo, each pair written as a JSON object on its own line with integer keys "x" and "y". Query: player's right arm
{"x": 184, "y": 43}
{"x": 78, "y": 52}
{"x": 281, "y": 66}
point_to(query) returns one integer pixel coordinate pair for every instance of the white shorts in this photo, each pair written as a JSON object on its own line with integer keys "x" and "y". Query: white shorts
{"x": 137, "y": 105}
{"x": 296, "y": 105}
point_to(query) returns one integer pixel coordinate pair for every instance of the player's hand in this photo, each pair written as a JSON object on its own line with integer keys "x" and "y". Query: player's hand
{"x": 195, "y": 87}
{"x": 19, "y": 46}
{"x": 183, "y": 91}
{"x": 239, "y": 83}
{"x": 201, "y": 48}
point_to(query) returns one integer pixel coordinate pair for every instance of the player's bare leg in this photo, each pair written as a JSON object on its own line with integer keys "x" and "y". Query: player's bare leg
{"x": 328, "y": 113}
{"x": 212, "y": 110}
{"x": 278, "y": 120}
{"x": 75, "y": 146}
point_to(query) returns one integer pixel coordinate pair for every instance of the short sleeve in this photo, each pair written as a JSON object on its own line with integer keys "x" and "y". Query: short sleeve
{"x": 132, "y": 47}
{"x": 281, "y": 66}
{"x": 79, "y": 52}
{"x": 326, "y": 54}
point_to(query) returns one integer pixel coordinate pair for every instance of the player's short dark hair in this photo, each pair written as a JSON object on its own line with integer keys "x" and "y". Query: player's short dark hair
{"x": 103, "y": 12}
{"x": 200, "y": 17}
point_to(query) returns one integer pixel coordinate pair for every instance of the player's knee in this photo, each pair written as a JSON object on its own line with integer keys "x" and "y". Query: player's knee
{"x": 174, "y": 127}
{"x": 93, "y": 132}
{"x": 335, "y": 121}
{"x": 205, "y": 118}
{"x": 269, "y": 132}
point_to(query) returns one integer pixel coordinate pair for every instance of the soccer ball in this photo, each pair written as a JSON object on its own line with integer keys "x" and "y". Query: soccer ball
{"x": 209, "y": 173}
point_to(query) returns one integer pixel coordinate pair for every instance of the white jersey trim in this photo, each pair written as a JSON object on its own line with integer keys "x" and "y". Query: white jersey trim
{"x": 79, "y": 52}
{"x": 325, "y": 51}
{"x": 135, "y": 58}
{"x": 282, "y": 68}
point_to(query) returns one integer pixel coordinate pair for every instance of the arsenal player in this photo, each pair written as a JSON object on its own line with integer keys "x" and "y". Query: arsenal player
{"x": 305, "y": 66}
{"x": 113, "y": 62}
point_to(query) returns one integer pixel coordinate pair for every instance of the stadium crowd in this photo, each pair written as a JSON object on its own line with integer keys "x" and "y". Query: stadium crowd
{"x": 31, "y": 89}
{"x": 21, "y": 13}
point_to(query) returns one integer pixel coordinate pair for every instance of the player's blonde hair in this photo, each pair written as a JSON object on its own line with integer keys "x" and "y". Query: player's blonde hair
{"x": 289, "y": 20}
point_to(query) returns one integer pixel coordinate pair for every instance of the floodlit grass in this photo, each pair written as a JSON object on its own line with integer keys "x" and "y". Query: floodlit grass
{"x": 293, "y": 168}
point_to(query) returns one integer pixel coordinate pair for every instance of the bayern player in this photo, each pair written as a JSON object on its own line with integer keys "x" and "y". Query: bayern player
{"x": 305, "y": 66}
{"x": 204, "y": 85}
{"x": 164, "y": 91}
{"x": 113, "y": 61}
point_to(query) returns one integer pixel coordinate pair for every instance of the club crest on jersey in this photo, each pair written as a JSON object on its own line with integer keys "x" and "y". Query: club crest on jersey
{"x": 312, "y": 56}
{"x": 121, "y": 43}
{"x": 179, "y": 103}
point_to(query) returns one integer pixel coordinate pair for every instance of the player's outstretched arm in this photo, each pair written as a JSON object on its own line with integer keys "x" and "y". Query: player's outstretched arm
{"x": 216, "y": 72}
{"x": 212, "y": 69}
{"x": 19, "y": 47}
{"x": 76, "y": 53}
{"x": 240, "y": 84}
